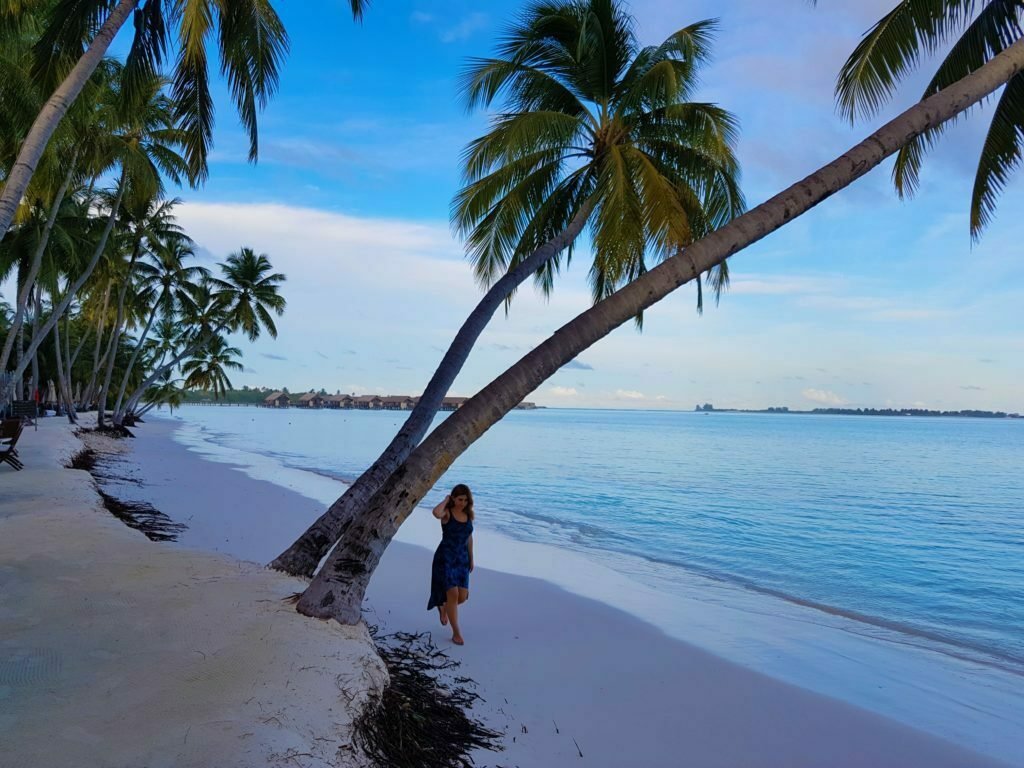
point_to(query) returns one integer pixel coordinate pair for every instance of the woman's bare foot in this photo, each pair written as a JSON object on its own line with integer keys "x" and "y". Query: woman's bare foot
{"x": 457, "y": 639}
{"x": 444, "y": 615}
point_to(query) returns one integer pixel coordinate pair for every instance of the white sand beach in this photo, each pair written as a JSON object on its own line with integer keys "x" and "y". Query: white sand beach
{"x": 117, "y": 651}
{"x": 561, "y": 675}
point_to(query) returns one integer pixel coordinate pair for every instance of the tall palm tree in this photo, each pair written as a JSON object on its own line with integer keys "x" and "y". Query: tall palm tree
{"x": 593, "y": 131}
{"x": 895, "y": 45}
{"x": 145, "y": 220}
{"x": 251, "y": 42}
{"x": 208, "y": 370}
{"x": 169, "y": 287}
{"x": 250, "y": 291}
{"x": 143, "y": 141}
{"x": 242, "y": 300}
{"x": 338, "y": 589}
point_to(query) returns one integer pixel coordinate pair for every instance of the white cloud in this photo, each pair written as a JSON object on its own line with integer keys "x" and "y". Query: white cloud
{"x": 629, "y": 394}
{"x": 563, "y": 391}
{"x": 422, "y": 18}
{"x": 824, "y": 396}
{"x": 465, "y": 28}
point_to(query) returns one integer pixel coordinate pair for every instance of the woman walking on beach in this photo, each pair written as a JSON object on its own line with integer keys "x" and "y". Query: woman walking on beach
{"x": 453, "y": 560}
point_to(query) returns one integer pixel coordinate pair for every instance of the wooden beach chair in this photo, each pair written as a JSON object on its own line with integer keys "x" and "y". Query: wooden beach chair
{"x": 8, "y": 442}
{"x": 26, "y": 410}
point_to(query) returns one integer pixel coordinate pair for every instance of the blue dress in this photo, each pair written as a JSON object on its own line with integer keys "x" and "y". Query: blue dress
{"x": 451, "y": 561}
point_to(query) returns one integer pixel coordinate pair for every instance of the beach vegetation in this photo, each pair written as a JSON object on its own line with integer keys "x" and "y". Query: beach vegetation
{"x": 99, "y": 259}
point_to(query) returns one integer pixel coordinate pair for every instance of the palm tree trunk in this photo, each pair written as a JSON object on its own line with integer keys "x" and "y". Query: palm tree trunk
{"x": 303, "y": 556}
{"x": 118, "y": 323}
{"x": 37, "y": 262}
{"x": 35, "y": 328}
{"x": 58, "y": 311}
{"x": 160, "y": 370}
{"x": 53, "y": 112}
{"x": 87, "y": 393}
{"x": 131, "y": 363}
{"x": 337, "y": 591}
{"x": 63, "y": 386}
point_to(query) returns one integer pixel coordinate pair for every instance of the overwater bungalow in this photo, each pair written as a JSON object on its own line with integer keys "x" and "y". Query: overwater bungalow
{"x": 367, "y": 402}
{"x": 277, "y": 400}
{"x": 310, "y": 400}
{"x": 397, "y": 403}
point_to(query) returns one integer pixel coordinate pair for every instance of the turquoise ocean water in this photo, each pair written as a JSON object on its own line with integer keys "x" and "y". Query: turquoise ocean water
{"x": 909, "y": 525}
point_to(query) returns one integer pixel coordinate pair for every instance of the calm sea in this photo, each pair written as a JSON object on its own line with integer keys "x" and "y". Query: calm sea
{"x": 908, "y": 524}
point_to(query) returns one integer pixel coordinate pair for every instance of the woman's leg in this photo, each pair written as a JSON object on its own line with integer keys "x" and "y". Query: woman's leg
{"x": 452, "y": 609}
{"x": 463, "y": 595}
{"x": 442, "y": 611}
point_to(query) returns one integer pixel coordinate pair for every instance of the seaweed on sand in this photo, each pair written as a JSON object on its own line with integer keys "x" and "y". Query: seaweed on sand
{"x": 143, "y": 517}
{"x": 421, "y": 720}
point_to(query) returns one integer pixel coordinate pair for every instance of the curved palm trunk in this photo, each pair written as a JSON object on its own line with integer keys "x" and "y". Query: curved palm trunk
{"x": 337, "y": 591}
{"x": 303, "y": 556}
{"x": 118, "y": 416}
{"x": 53, "y": 112}
{"x": 37, "y": 262}
{"x": 58, "y": 311}
{"x": 160, "y": 370}
{"x": 118, "y": 327}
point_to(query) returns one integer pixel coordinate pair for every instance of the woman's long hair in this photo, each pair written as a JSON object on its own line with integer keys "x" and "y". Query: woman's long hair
{"x": 461, "y": 490}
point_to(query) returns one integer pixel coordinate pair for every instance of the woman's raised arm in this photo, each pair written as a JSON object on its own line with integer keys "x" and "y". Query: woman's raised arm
{"x": 441, "y": 510}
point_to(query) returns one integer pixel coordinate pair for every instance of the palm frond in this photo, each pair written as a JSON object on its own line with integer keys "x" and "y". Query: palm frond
{"x": 1000, "y": 155}
{"x": 893, "y": 47}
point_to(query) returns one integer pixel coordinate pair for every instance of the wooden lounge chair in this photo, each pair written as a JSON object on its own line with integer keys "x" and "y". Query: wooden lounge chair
{"x": 8, "y": 451}
{"x": 26, "y": 410}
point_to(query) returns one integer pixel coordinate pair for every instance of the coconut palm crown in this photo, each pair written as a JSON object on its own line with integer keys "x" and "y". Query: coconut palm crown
{"x": 917, "y": 29}
{"x": 249, "y": 292}
{"x": 588, "y": 118}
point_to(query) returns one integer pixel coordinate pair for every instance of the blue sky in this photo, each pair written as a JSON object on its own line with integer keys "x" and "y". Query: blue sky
{"x": 866, "y": 301}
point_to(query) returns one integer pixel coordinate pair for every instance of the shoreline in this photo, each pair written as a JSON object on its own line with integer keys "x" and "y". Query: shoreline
{"x": 116, "y": 651}
{"x": 393, "y": 596}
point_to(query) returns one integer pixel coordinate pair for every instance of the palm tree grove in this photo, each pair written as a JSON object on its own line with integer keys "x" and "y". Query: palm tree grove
{"x": 488, "y": 209}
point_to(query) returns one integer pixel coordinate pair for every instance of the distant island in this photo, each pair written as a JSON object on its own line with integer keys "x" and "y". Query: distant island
{"x": 282, "y": 398}
{"x": 709, "y": 408}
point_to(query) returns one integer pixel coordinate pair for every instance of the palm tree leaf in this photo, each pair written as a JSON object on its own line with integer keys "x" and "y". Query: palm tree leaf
{"x": 892, "y": 47}
{"x": 1000, "y": 155}
{"x": 253, "y": 44}
{"x": 995, "y": 27}
{"x": 191, "y": 86}
{"x": 149, "y": 46}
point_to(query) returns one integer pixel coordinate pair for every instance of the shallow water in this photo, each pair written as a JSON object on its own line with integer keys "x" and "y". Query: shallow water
{"x": 873, "y": 560}
{"x": 912, "y": 524}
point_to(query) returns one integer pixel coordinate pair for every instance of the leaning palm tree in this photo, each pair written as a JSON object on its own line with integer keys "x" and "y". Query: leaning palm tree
{"x": 170, "y": 287}
{"x": 593, "y": 131}
{"x": 243, "y": 300}
{"x": 250, "y": 37}
{"x": 208, "y": 370}
{"x": 915, "y": 29}
{"x": 338, "y": 589}
{"x": 143, "y": 140}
